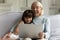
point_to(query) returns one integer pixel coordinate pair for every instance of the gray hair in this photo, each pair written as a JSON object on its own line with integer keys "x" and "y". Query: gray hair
{"x": 39, "y": 4}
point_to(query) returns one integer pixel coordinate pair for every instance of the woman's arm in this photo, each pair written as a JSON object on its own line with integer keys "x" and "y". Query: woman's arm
{"x": 47, "y": 28}
{"x": 46, "y": 32}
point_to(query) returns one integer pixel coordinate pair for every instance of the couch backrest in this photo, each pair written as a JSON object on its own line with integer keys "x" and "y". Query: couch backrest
{"x": 55, "y": 27}
{"x": 8, "y": 20}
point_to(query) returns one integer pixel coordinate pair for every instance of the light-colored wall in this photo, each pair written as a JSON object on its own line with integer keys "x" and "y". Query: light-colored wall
{"x": 51, "y": 7}
{"x": 19, "y": 5}
{"x": 46, "y": 4}
{"x": 16, "y": 5}
{"x": 54, "y": 7}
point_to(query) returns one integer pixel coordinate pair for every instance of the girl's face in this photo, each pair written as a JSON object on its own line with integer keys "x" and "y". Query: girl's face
{"x": 28, "y": 19}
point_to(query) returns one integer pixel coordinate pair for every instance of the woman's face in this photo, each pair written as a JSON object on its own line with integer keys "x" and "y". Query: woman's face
{"x": 28, "y": 19}
{"x": 37, "y": 9}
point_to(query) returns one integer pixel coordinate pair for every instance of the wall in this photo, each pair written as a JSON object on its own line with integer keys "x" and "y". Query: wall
{"x": 14, "y": 5}
{"x": 19, "y": 5}
{"x": 10, "y": 5}
{"x": 54, "y": 7}
{"x": 51, "y": 7}
{"x": 46, "y": 4}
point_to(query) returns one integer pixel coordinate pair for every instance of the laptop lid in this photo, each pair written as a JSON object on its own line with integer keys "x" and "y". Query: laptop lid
{"x": 30, "y": 30}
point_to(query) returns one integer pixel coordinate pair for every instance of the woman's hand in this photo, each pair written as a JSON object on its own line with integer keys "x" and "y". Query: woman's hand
{"x": 41, "y": 35}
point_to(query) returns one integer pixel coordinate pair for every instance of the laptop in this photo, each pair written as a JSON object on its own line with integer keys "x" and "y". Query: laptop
{"x": 30, "y": 30}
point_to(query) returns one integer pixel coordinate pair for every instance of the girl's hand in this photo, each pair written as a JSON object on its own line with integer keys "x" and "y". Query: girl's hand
{"x": 6, "y": 36}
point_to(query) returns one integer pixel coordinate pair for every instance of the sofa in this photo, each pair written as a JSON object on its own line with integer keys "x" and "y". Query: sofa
{"x": 10, "y": 18}
{"x": 55, "y": 27}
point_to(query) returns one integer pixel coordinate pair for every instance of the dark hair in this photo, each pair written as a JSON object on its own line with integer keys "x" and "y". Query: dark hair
{"x": 27, "y": 13}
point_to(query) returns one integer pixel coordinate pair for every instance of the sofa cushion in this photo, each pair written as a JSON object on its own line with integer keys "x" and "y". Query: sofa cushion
{"x": 55, "y": 27}
{"x": 8, "y": 20}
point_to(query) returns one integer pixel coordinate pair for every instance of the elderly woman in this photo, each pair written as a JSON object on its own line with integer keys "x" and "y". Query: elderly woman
{"x": 40, "y": 19}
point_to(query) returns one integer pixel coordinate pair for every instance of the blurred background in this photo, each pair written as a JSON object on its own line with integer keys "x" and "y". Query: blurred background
{"x": 11, "y": 13}
{"x": 51, "y": 7}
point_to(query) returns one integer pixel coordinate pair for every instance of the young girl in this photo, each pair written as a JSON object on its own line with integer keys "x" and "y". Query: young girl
{"x": 27, "y": 17}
